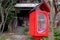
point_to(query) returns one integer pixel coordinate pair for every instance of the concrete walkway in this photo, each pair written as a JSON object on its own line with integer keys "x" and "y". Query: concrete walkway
{"x": 13, "y": 36}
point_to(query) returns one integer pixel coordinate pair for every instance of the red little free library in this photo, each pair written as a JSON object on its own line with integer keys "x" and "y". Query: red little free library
{"x": 38, "y": 20}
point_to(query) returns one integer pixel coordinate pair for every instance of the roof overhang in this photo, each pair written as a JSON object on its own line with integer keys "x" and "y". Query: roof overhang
{"x": 26, "y": 4}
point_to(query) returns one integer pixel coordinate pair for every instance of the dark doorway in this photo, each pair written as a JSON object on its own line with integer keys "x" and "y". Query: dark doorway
{"x": 20, "y": 16}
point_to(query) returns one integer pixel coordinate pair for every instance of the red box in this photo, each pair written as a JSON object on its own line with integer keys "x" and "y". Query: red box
{"x": 38, "y": 23}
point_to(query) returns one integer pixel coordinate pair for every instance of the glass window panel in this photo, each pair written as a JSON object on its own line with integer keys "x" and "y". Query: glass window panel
{"x": 41, "y": 22}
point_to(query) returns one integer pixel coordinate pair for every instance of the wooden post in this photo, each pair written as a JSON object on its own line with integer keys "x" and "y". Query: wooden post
{"x": 38, "y": 37}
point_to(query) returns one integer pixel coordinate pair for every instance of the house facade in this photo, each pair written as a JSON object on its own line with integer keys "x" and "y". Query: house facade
{"x": 21, "y": 20}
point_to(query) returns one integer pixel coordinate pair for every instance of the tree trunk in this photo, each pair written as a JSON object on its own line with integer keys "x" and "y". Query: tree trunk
{"x": 2, "y": 14}
{"x": 10, "y": 26}
{"x": 51, "y": 35}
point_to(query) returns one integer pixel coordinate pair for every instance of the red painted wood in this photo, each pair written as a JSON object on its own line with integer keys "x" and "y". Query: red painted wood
{"x": 37, "y": 37}
{"x": 45, "y": 7}
{"x": 34, "y": 23}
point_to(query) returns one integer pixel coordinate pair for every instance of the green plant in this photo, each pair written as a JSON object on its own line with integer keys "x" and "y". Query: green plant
{"x": 57, "y": 33}
{"x": 3, "y": 38}
{"x": 26, "y": 31}
{"x": 10, "y": 16}
{"x": 45, "y": 38}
